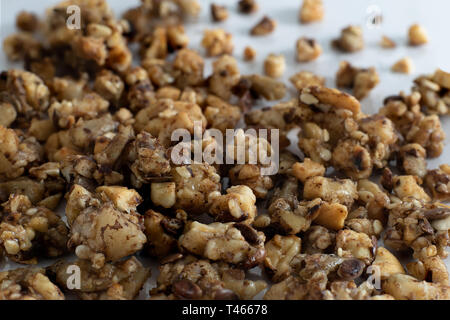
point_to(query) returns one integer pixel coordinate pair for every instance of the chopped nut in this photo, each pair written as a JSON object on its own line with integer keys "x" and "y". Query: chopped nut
{"x": 362, "y": 81}
{"x": 280, "y": 252}
{"x": 305, "y": 79}
{"x": 307, "y": 49}
{"x": 247, "y": 6}
{"x": 274, "y": 65}
{"x": 387, "y": 43}
{"x": 351, "y": 39}
{"x": 417, "y": 35}
{"x": 219, "y": 13}
{"x": 217, "y": 42}
{"x": 404, "y": 65}
{"x": 264, "y": 27}
{"x": 311, "y": 11}
{"x": 249, "y": 53}
{"x": 27, "y": 21}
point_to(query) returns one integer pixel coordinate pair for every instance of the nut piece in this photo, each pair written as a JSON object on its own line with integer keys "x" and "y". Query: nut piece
{"x": 404, "y": 65}
{"x": 407, "y": 186}
{"x": 307, "y": 49}
{"x": 27, "y": 21}
{"x": 274, "y": 65}
{"x": 237, "y": 205}
{"x": 438, "y": 182}
{"x": 417, "y": 35}
{"x": 267, "y": 87}
{"x": 332, "y": 216}
{"x": 351, "y": 39}
{"x": 219, "y": 13}
{"x": 387, "y": 43}
{"x": 353, "y": 244}
{"x": 247, "y": 6}
{"x": 249, "y": 53}
{"x": 431, "y": 269}
{"x": 305, "y": 79}
{"x": 404, "y": 287}
{"x": 332, "y": 97}
{"x": 341, "y": 191}
{"x": 280, "y": 251}
{"x": 163, "y": 194}
{"x": 263, "y": 27}
{"x": 387, "y": 263}
{"x": 28, "y": 284}
{"x": 311, "y": 11}
{"x": 217, "y": 42}
{"x": 307, "y": 169}
{"x": 361, "y": 80}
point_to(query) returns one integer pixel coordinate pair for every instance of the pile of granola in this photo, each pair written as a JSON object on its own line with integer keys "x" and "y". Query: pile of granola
{"x": 88, "y": 125}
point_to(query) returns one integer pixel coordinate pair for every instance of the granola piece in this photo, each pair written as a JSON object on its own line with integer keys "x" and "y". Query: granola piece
{"x": 331, "y": 97}
{"x": 70, "y": 88}
{"x": 27, "y": 21}
{"x": 404, "y": 65}
{"x": 238, "y": 205}
{"x": 149, "y": 159}
{"x": 249, "y": 53}
{"x": 362, "y": 81}
{"x": 341, "y": 191}
{"x": 194, "y": 184}
{"x": 438, "y": 182}
{"x": 161, "y": 72}
{"x": 431, "y": 269}
{"x": 155, "y": 45}
{"x": 435, "y": 98}
{"x": 217, "y": 42}
{"x": 28, "y": 284}
{"x": 264, "y": 27}
{"x": 109, "y": 85}
{"x": 186, "y": 277}
{"x": 114, "y": 281}
{"x": 280, "y": 251}
{"x": 250, "y": 175}
{"x": 415, "y": 126}
{"x": 365, "y": 225}
{"x": 417, "y": 35}
{"x": 162, "y": 232}
{"x": 408, "y": 187}
{"x": 220, "y": 114}
{"x": 20, "y": 46}
{"x": 26, "y": 91}
{"x": 307, "y": 169}
{"x": 442, "y": 78}
{"x": 9, "y": 114}
{"x": 66, "y": 113}
{"x": 234, "y": 243}
{"x": 307, "y": 49}
{"x": 247, "y": 6}
{"x": 387, "y": 263}
{"x": 405, "y": 287}
{"x": 267, "y": 87}
{"x": 219, "y": 13}
{"x": 225, "y": 76}
{"x": 353, "y": 159}
{"x": 105, "y": 226}
{"x": 331, "y": 216}
{"x": 287, "y": 213}
{"x": 318, "y": 239}
{"x": 359, "y": 245}
{"x": 421, "y": 227}
{"x": 28, "y": 232}
{"x": 375, "y": 199}
{"x": 165, "y": 115}
{"x": 351, "y": 39}
{"x": 188, "y": 68}
{"x": 387, "y": 43}
{"x": 274, "y": 65}
{"x": 313, "y": 141}
{"x": 311, "y": 11}
{"x": 305, "y": 79}
{"x": 412, "y": 160}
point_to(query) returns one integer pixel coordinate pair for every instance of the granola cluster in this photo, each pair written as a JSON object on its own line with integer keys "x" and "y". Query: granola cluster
{"x": 87, "y": 128}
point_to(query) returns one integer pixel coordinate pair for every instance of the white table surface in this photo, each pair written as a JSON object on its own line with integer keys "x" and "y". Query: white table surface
{"x": 398, "y": 15}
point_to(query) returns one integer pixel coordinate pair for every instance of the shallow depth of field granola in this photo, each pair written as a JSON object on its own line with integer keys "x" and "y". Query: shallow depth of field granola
{"x": 88, "y": 126}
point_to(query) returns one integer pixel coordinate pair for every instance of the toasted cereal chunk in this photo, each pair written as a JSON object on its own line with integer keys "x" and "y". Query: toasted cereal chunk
{"x": 351, "y": 39}
{"x": 264, "y": 27}
{"x": 387, "y": 43}
{"x": 404, "y": 65}
{"x": 311, "y": 11}
{"x": 307, "y": 49}
{"x": 217, "y": 42}
{"x": 219, "y": 13}
{"x": 274, "y": 65}
{"x": 417, "y": 35}
{"x": 28, "y": 284}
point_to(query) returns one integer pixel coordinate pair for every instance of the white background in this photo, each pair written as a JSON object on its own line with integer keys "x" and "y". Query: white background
{"x": 398, "y": 15}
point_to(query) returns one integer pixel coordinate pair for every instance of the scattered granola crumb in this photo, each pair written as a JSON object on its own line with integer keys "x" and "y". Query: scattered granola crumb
{"x": 249, "y": 53}
{"x": 404, "y": 65}
{"x": 417, "y": 35}
{"x": 264, "y": 27}
{"x": 274, "y": 65}
{"x": 311, "y": 11}
{"x": 219, "y": 13}
{"x": 307, "y": 49}
{"x": 351, "y": 39}
{"x": 217, "y": 42}
{"x": 387, "y": 43}
{"x": 247, "y": 6}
